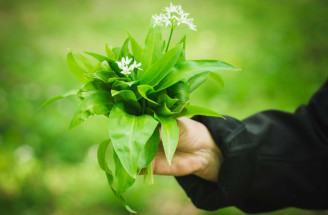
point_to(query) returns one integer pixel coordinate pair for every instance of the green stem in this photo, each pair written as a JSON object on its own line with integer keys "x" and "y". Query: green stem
{"x": 143, "y": 106}
{"x": 168, "y": 43}
{"x": 148, "y": 174}
{"x": 132, "y": 75}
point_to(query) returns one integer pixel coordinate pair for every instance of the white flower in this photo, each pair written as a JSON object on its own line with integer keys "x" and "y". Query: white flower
{"x": 126, "y": 71}
{"x": 172, "y": 8}
{"x": 172, "y": 17}
{"x": 125, "y": 67}
{"x": 158, "y": 20}
{"x": 191, "y": 26}
{"x": 135, "y": 65}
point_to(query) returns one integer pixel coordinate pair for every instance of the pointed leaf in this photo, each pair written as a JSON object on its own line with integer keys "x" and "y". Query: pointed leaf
{"x": 129, "y": 135}
{"x": 161, "y": 68}
{"x": 125, "y": 49}
{"x": 163, "y": 110}
{"x": 117, "y": 52}
{"x": 187, "y": 69}
{"x": 136, "y": 49}
{"x": 109, "y": 52}
{"x": 145, "y": 91}
{"x": 124, "y": 179}
{"x": 128, "y": 98}
{"x": 218, "y": 78}
{"x": 164, "y": 98}
{"x": 113, "y": 80}
{"x": 91, "y": 87}
{"x": 127, "y": 207}
{"x": 153, "y": 49}
{"x": 98, "y": 57}
{"x": 123, "y": 84}
{"x": 182, "y": 56}
{"x": 170, "y": 136}
{"x": 98, "y": 103}
{"x": 179, "y": 91}
{"x": 102, "y": 66}
{"x": 197, "y": 80}
{"x": 101, "y": 154}
{"x": 56, "y": 98}
{"x": 150, "y": 150}
{"x": 191, "y": 110}
{"x": 79, "y": 65}
{"x": 105, "y": 76}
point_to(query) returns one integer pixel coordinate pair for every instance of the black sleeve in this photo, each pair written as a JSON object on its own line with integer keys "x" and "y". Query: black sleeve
{"x": 272, "y": 160}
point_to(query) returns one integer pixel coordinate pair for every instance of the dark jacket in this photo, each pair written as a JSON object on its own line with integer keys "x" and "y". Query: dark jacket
{"x": 272, "y": 160}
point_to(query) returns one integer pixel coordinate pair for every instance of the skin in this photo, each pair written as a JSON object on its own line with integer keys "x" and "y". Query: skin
{"x": 196, "y": 153}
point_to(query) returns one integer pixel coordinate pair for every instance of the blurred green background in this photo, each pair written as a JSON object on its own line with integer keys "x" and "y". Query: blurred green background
{"x": 281, "y": 47}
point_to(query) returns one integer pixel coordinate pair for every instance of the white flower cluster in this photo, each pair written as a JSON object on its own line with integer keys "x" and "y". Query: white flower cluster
{"x": 173, "y": 17}
{"x": 125, "y": 66}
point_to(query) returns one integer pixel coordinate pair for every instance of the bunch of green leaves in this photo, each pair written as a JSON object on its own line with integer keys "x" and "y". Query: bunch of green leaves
{"x": 137, "y": 104}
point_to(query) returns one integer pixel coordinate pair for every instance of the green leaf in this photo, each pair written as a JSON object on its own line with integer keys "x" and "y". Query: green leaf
{"x": 117, "y": 52}
{"x": 109, "y": 173}
{"x": 115, "y": 79}
{"x": 102, "y": 66}
{"x": 182, "y": 56}
{"x": 109, "y": 52}
{"x": 128, "y": 98}
{"x": 98, "y": 103}
{"x": 136, "y": 49}
{"x": 104, "y": 71}
{"x": 101, "y": 155}
{"x": 218, "y": 78}
{"x": 170, "y": 136}
{"x": 91, "y": 87}
{"x": 150, "y": 150}
{"x": 56, "y": 98}
{"x": 161, "y": 68}
{"x": 179, "y": 91}
{"x": 191, "y": 110}
{"x": 129, "y": 135}
{"x": 105, "y": 76}
{"x": 106, "y": 64}
{"x": 98, "y": 57}
{"x": 163, "y": 110}
{"x": 125, "y": 49}
{"x": 187, "y": 69}
{"x": 197, "y": 80}
{"x": 124, "y": 179}
{"x": 164, "y": 98}
{"x": 79, "y": 65}
{"x": 153, "y": 49}
{"x": 123, "y": 85}
{"x": 146, "y": 91}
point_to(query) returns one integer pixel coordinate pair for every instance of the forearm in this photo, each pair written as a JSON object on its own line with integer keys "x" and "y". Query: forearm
{"x": 271, "y": 160}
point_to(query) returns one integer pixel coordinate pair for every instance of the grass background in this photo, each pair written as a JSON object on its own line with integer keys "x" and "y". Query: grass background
{"x": 281, "y": 47}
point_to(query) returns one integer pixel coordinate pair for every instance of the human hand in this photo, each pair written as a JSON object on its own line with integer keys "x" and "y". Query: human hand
{"x": 196, "y": 153}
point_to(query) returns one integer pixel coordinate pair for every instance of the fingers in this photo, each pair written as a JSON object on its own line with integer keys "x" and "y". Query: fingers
{"x": 182, "y": 164}
{"x": 160, "y": 164}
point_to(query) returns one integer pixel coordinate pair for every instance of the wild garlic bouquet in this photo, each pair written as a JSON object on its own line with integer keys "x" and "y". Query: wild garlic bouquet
{"x": 140, "y": 89}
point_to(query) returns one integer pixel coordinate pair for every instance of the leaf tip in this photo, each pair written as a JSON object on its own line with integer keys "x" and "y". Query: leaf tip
{"x": 69, "y": 50}
{"x": 130, "y": 209}
{"x": 71, "y": 125}
{"x": 43, "y": 105}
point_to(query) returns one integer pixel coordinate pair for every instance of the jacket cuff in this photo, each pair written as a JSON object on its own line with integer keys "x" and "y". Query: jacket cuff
{"x": 236, "y": 171}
